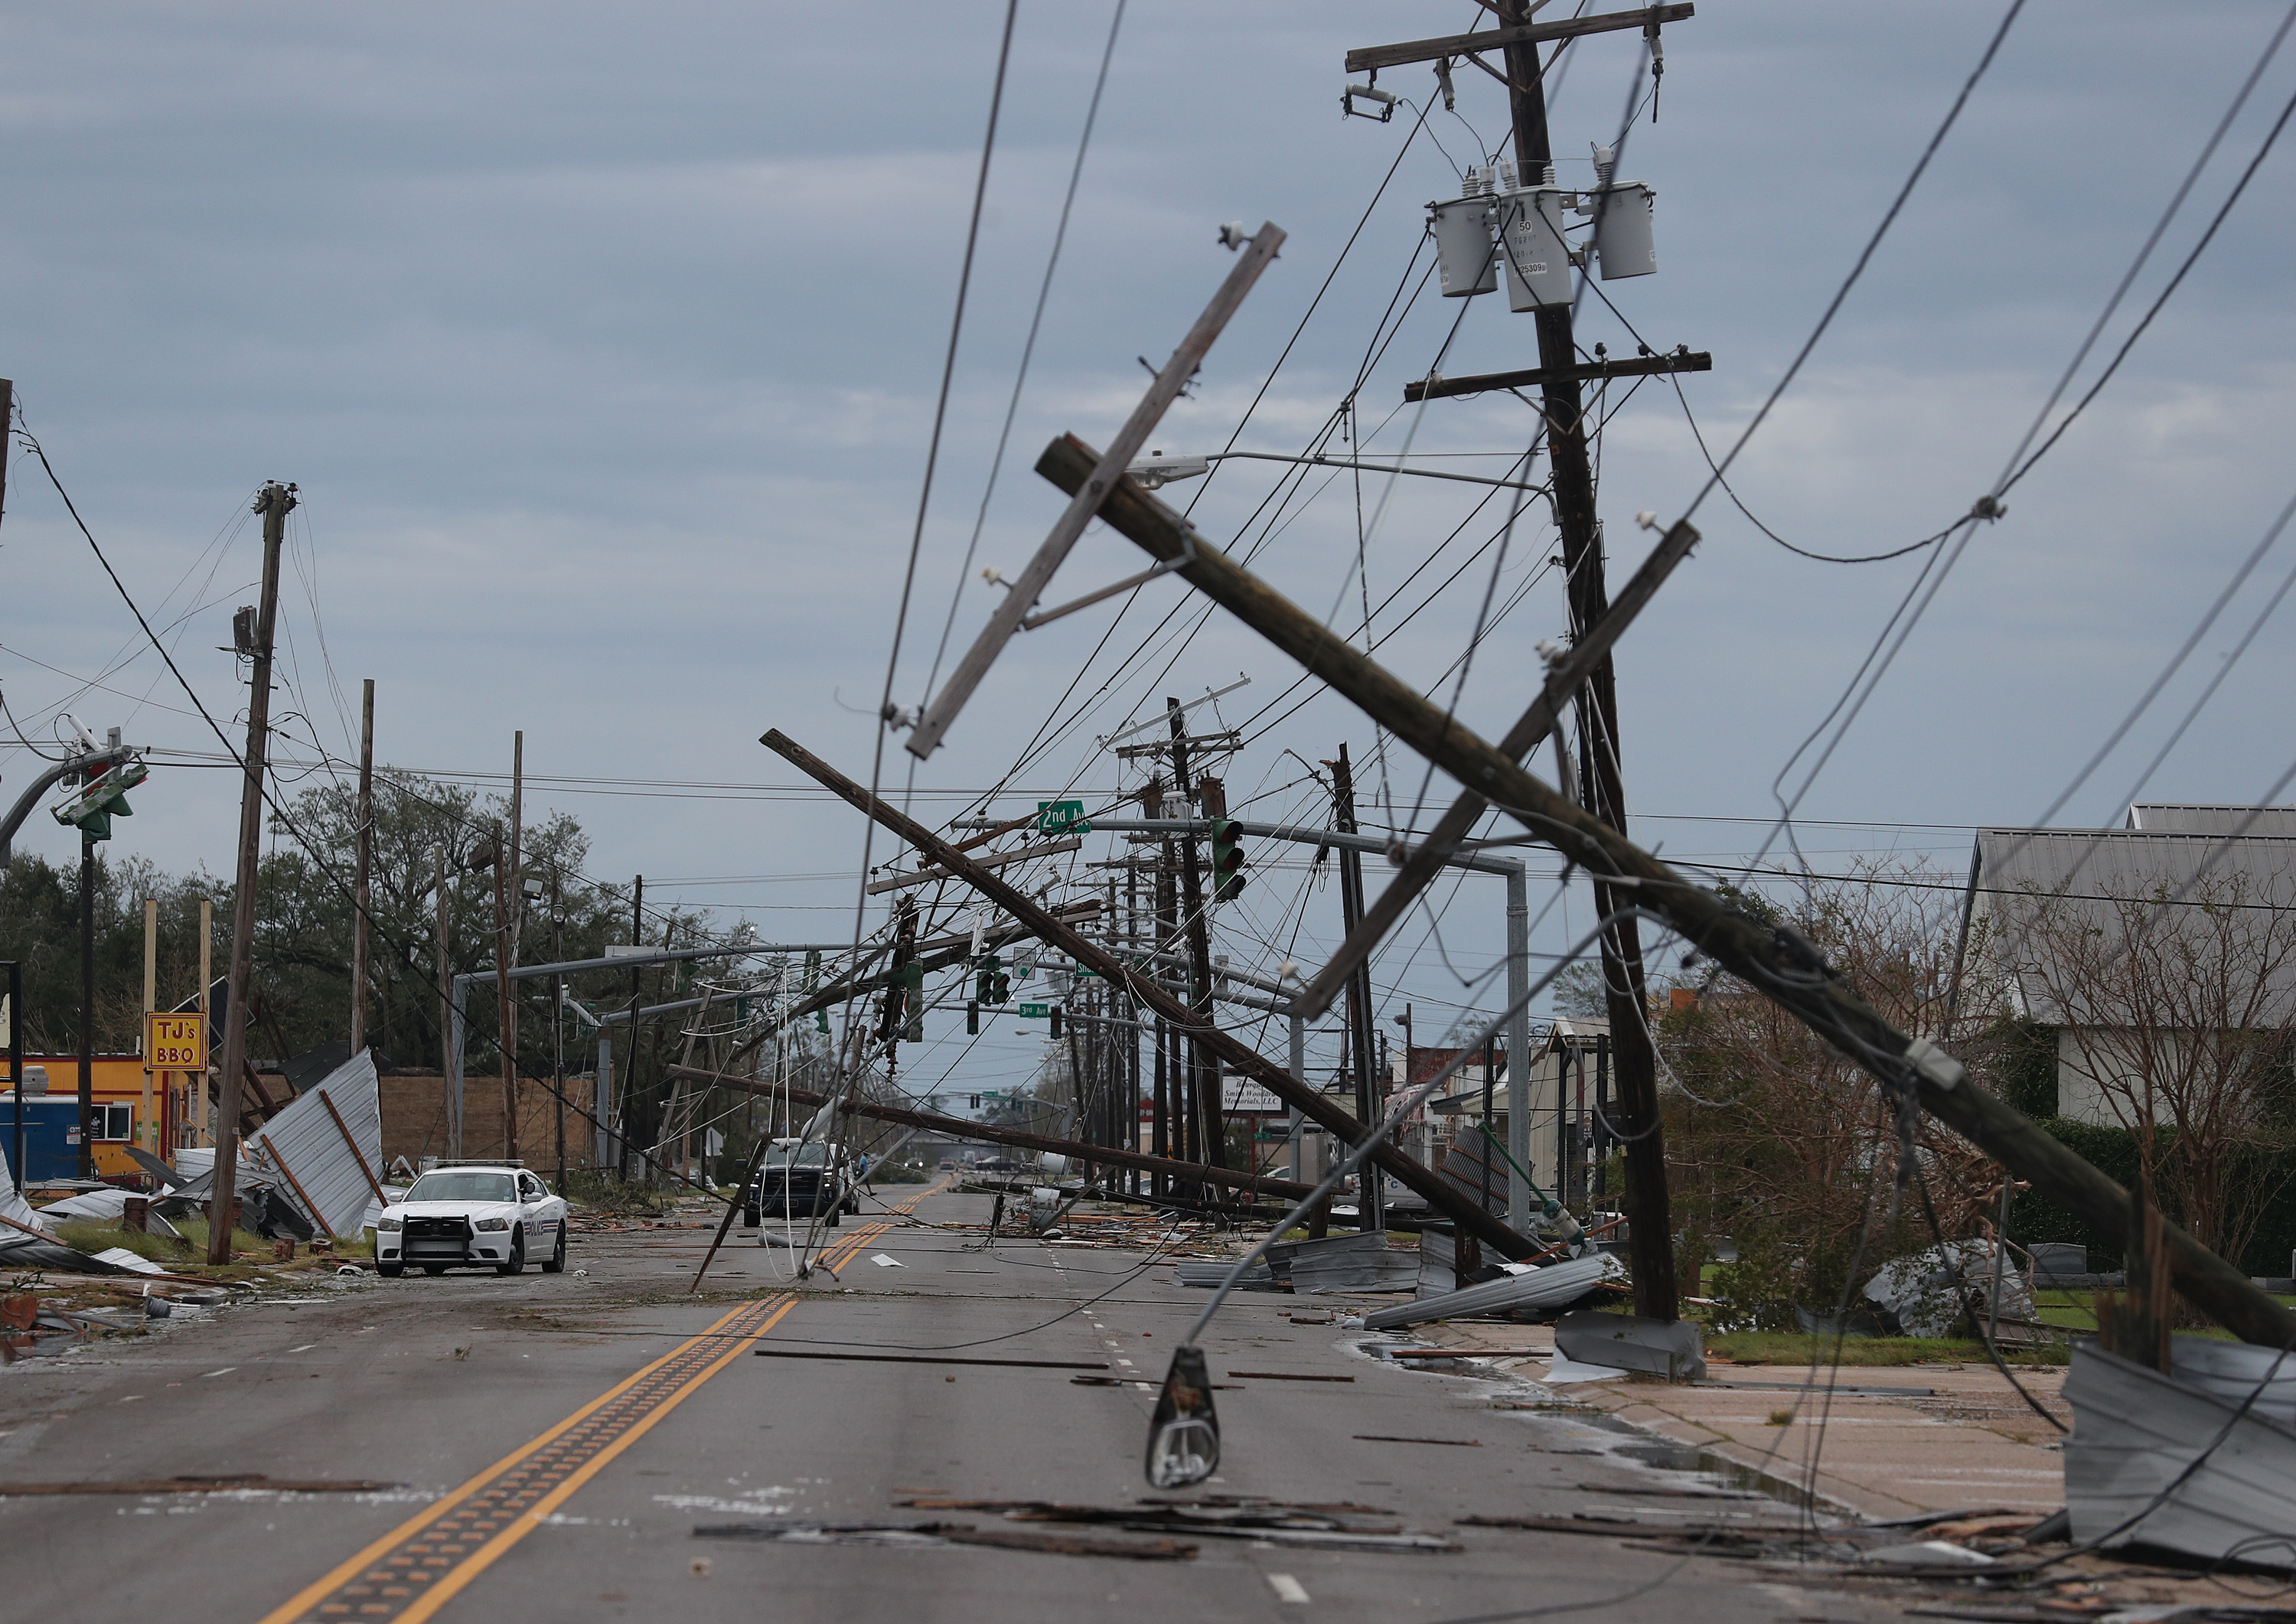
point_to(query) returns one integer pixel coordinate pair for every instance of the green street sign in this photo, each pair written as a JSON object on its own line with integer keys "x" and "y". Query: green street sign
{"x": 1061, "y": 817}
{"x": 1035, "y": 1012}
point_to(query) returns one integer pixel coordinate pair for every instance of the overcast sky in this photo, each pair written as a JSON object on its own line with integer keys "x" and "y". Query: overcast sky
{"x": 603, "y": 342}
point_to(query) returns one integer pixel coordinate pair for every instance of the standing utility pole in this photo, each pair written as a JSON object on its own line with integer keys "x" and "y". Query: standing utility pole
{"x": 274, "y": 504}
{"x": 445, "y": 981}
{"x": 506, "y": 1008}
{"x": 1203, "y": 1068}
{"x": 1649, "y": 1225}
{"x": 1369, "y": 1213}
{"x": 200, "y": 1134}
{"x": 366, "y": 868}
{"x": 87, "y": 1004}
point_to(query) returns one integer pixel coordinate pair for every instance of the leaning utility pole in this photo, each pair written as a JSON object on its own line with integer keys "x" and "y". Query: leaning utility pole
{"x": 274, "y": 503}
{"x": 359, "y": 886}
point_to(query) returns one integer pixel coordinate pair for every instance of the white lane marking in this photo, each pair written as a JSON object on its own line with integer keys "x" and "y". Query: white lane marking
{"x": 226, "y": 1370}
{"x": 131, "y": 1399}
{"x": 306, "y": 1348}
{"x": 1126, "y": 1363}
{"x": 883, "y": 1261}
{"x": 1286, "y": 1587}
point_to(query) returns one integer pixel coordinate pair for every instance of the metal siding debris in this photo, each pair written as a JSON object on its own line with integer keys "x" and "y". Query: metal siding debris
{"x": 2137, "y": 1433}
{"x": 327, "y": 1157}
{"x": 1557, "y": 1285}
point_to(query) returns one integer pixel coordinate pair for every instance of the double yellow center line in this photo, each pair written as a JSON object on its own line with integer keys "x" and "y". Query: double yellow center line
{"x": 414, "y": 1570}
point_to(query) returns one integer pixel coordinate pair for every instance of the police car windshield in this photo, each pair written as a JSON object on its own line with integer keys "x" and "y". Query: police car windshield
{"x": 463, "y": 1187}
{"x": 807, "y": 1155}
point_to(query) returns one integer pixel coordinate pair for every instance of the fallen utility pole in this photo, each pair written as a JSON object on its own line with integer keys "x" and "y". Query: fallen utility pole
{"x": 274, "y": 504}
{"x": 1777, "y": 962}
{"x": 964, "y": 1127}
{"x": 1239, "y": 1056}
{"x": 1684, "y": 360}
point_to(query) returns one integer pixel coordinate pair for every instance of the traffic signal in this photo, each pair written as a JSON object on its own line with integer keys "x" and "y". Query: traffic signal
{"x": 1227, "y": 859}
{"x": 104, "y": 797}
{"x": 1055, "y": 1012}
{"x": 991, "y": 985}
{"x": 973, "y": 1018}
{"x": 913, "y": 1001}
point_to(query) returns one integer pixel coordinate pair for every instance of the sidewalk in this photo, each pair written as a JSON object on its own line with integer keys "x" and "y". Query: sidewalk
{"x": 1896, "y": 1441}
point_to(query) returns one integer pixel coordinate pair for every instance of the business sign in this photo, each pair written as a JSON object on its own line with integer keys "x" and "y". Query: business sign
{"x": 1246, "y": 1098}
{"x": 175, "y": 1043}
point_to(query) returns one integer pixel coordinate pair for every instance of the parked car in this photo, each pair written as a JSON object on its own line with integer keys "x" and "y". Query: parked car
{"x": 473, "y": 1215}
{"x": 948, "y": 1164}
{"x": 797, "y": 1179}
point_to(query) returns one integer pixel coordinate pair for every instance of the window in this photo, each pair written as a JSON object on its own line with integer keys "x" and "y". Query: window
{"x": 115, "y": 1124}
{"x": 463, "y": 1187}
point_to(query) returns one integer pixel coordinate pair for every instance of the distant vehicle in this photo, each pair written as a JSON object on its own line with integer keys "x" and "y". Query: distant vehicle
{"x": 999, "y": 1164}
{"x": 487, "y": 1214}
{"x": 797, "y": 1180}
{"x": 948, "y": 1164}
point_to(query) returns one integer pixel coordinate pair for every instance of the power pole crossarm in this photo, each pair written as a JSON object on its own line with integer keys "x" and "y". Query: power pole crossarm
{"x": 1372, "y": 58}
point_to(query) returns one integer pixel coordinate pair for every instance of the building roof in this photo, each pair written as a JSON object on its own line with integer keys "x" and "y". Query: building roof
{"x": 2176, "y": 818}
{"x": 2028, "y": 886}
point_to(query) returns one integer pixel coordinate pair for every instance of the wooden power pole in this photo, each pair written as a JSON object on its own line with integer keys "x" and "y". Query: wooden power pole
{"x": 1650, "y": 1229}
{"x": 359, "y": 888}
{"x": 274, "y": 503}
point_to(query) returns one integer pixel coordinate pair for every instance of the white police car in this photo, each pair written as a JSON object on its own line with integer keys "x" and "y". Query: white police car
{"x": 473, "y": 1214}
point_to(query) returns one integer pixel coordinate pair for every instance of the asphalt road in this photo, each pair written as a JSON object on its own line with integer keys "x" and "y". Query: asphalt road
{"x": 558, "y": 1439}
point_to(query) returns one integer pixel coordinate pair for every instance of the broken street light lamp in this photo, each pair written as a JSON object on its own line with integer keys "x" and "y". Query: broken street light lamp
{"x": 106, "y": 797}
{"x": 1184, "y": 1445}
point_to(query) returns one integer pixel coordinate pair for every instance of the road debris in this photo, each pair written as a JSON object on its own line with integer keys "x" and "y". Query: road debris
{"x": 947, "y": 1533}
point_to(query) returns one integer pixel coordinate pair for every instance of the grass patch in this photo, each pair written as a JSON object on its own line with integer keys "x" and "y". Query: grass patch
{"x": 1799, "y": 1347}
{"x": 91, "y": 1237}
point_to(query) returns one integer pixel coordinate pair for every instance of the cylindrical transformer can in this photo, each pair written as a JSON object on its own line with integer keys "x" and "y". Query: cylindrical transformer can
{"x": 1538, "y": 259}
{"x": 1623, "y": 240}
{"x": 1464, "y": 253}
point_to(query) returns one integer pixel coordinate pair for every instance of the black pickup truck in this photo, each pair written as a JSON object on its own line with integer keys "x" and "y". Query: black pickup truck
{"x": 797, "y": 1180}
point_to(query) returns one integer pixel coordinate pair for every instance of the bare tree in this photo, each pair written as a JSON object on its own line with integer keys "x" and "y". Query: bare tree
{"x": 2174, "y": 1016}
{"x": 1787, "y": 1147}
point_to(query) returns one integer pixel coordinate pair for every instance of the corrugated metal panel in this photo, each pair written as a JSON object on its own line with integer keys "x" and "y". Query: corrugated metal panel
{"x": 2033, "y": 884}
{"x": 2176, "y": 818}
{"x": 305, "y": 1148}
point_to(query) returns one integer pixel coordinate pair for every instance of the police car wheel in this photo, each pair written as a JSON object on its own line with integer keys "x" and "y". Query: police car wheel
{"x": 557, "y": 1263}
{"x": 434, "y": 1269}
{"x": 390, "y": 1271}
{"x": 835, "y": 1218}
{"x": 515, "y": 1264}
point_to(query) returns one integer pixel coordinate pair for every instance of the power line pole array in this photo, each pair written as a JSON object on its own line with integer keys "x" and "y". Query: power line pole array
{"x": 274, "y": 503}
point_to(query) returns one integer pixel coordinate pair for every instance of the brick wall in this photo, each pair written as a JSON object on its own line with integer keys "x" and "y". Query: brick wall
{"x": 414, "y": 1120}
